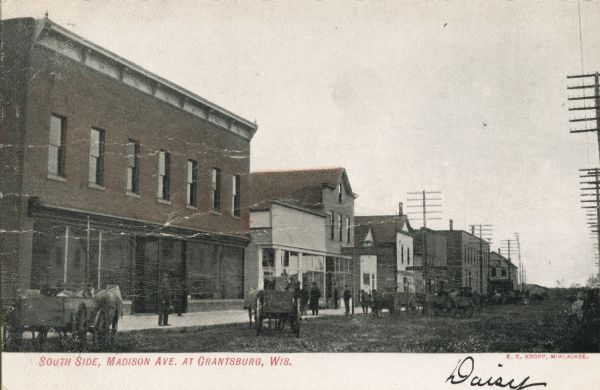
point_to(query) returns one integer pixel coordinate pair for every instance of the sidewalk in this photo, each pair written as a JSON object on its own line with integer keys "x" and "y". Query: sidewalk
{"x": 204, "y": 318}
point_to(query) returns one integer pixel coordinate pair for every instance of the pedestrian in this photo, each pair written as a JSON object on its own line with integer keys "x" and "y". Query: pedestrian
{"x": 164, "y": 301}
{"x": 304, "y": 298}
{"x": 336, "y": 298}
{"x": 297, "y": 295}
{"x": 347, "y": 295}
{"x": 315, "y": 294}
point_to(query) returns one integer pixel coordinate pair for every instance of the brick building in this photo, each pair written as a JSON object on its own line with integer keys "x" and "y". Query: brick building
{"x": 300, "y": 220}
{"x": 467, "y": 260}
{"x": 430, "y": 270}
{"x": 113, "y": 175}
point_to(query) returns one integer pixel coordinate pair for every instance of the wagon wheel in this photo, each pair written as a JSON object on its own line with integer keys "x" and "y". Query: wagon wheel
{"x": 79, "y": 323}
{"x": 12, "y": 331}
{"x": 258, "y": 315}
{"x": 12, "y": 337}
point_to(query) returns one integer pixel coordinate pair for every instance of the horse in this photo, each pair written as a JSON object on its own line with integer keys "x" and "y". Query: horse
{"x": 463, "y": 302}
{"x": 365, "y": 302}
{"x": 439, "y": 302}
{"x": 250, "y": 304}
{"x": 108, "y": 307}
{"x": 382, "y": 301}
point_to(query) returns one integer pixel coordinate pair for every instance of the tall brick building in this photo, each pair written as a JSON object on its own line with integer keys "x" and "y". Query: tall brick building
{"x": 110, "y": 174}
{"x": 468, "y": 260}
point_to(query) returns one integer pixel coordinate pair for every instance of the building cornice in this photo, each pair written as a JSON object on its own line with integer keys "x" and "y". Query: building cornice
{"x": 62, "y": 41}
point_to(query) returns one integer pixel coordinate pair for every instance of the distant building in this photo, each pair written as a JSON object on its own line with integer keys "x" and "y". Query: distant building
{"x": 300, "y": 221}
{"x": 384, "y": 253}
{"x": 430, "y": 273}
{"x": 467, "y": 260}
{"x": 114, "y": 175}
{"x": 503, "y": 274}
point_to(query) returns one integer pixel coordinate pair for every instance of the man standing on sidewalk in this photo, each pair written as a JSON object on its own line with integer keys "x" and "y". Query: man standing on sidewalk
{"x": 347, "y": 296}
{"x": 164, "y": 301}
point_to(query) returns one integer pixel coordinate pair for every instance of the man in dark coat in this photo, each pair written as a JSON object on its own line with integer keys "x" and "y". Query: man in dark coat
{"x": 315, "y": 294}
{"x": 347, "y": 295}
{"x": 297, "y": 297}
{"x": 304, "y": 298}
{"x": 336, "y": 298}
{"x": 164, "y": 301}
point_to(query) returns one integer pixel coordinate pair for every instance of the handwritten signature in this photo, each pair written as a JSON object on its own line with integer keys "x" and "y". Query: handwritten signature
{"x": 463, "y": 370}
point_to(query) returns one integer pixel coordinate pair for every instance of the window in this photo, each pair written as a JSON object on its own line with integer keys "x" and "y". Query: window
{"x": 268, "y": 258}
{"x": 348, "y": 229}
{"x": 133, "y": 166}
{"x": 366, "y": 279}
{"x": 402, "y": 254}
{"x": 340, "y": 192}
{"x": 191, "y": 182}
{"x": 164, "y": 174}
{"x": 56, "y": 145}
{"x": 96, "y": 167}
{"x": 408, "y": 255}
{"x": 340, "y": 227}
{"x": 235, "y": 196}
{"x": 216, "y": 189}
{"x": 332, "y": 223}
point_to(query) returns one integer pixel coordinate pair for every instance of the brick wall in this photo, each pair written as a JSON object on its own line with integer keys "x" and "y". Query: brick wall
{"x": 90, "y": 99}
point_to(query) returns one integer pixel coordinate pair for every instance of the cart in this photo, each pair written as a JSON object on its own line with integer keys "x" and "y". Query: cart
{"x": 276, "y": 305}
{"x": 406, "y": 301}
{"x": 67, "y": 314}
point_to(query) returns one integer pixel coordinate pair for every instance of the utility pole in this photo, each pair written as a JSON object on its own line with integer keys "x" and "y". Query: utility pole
{"x": 422, "y": 207}
{"x": 586, "y": 103}
{"x": 510, "y": 246}
{"x": 590, "y": 187}
{"x": 517, "y": 238}
{"x": 485, "y": 233}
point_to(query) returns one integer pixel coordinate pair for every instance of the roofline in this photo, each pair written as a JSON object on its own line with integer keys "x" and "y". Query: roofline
{"x": 353, "y": 194}
{"x": 48, "y": 25}
{"x": 282, "y": 170}
{"x": 291, "y": 206}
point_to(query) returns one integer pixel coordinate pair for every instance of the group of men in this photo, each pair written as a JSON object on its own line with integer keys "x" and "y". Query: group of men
{"x": 311, "y": 298}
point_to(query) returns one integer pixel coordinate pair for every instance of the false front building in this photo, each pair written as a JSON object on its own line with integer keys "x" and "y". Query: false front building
{"x": 384, "y": 253}
{"x": 116, "y": 176}
{"x": 503, "y": 274}
{"x": 299, "y": 222}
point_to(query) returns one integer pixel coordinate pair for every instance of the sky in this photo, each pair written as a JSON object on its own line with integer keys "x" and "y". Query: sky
{"x": 467, "y": 98}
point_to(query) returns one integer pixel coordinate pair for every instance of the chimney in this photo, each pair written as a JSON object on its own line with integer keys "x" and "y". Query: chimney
{"x": 400, "y": 213}
{"x": 473, "y": 229}
{"x": 451, "y": 225}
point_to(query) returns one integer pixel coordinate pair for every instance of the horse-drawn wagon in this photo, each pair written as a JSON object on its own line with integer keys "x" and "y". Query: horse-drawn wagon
{"x": 74, "y": 313}
{"x": 407, "y": 302}
{"x": 456, "y": 302}
{"x": 273, "y": 305}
